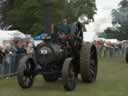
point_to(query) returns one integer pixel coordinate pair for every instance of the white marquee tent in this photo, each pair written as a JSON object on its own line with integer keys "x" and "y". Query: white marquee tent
{"x": 9, "y": 35}
{"x": 13, "y": 33}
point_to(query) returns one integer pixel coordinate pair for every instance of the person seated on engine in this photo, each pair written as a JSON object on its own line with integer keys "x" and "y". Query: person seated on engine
{"x": 64, "y": 34}
{"x": 64, "y": 28}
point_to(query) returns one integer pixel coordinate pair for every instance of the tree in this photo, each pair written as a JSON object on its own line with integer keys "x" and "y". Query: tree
{"x": 111, "y": 33}
{"x": 120, "y": 17}
{"x": 34, "y": 16}
{"x": 79, "y": 7}
{"x": 123, "y": 4}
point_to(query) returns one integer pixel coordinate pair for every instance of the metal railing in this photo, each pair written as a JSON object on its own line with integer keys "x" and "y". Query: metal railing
{"x": 9, "y": 65}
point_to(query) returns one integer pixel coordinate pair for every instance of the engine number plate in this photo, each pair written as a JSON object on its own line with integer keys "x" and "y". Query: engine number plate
{"x": 44, "y": 52}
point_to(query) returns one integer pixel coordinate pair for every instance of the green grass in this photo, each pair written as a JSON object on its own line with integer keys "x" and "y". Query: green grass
{"x": 112, "y": 80}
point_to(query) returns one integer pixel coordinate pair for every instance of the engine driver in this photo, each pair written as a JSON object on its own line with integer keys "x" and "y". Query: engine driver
{"x": 64, "y": 28}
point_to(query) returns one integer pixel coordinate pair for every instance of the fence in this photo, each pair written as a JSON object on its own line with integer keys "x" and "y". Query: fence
{"x": 9, "y": 64}
{"x": 112, "y": 52}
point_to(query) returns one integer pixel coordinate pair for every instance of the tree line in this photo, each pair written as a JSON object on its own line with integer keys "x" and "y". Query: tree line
{"x": 119, "y": 21}
{"x": 31, "y": 16}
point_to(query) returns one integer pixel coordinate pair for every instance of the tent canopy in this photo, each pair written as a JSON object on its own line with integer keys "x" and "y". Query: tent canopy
{"x": 16, "y": 33}
{"x": 13, "y": 33}
{"x": 9, "y": 35}
{"x": 39, "y": 37}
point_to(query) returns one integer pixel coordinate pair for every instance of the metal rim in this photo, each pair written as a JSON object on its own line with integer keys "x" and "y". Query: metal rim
{"x": 93, "y": 64}
{"x": 27, "y": 74}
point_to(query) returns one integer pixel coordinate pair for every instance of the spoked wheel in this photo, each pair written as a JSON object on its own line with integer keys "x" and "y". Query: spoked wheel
{"x": 88, "y": 63}
{"x": 68, "y": 74}
{"x": 126, "y": 56}
{"x": 93, "y": 65}
{"x": 24, "y": 75}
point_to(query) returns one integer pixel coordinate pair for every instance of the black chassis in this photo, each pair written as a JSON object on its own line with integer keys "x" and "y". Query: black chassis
{"x": 56, "y": 67}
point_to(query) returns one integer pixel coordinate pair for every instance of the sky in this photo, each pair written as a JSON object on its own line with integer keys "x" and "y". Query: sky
{"x": 103, "y": 17}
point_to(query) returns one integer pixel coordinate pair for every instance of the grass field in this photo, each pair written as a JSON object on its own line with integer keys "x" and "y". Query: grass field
{"x": 112, "y": 80}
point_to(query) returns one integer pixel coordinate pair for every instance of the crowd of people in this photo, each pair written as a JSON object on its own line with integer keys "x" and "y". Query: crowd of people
{"x": 11, "y": 52}
{"x": 109, "y": 49}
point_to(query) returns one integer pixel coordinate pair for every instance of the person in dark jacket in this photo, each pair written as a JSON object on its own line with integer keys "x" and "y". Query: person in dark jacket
{"x": 64, "y": 28}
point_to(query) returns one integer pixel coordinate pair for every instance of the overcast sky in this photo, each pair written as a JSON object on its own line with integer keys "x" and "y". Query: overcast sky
{"x": 103, "y": 16}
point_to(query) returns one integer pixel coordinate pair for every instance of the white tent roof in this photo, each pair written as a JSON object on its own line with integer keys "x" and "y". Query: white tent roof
{"x": 13, "y": 33}
{"x": 9, "y": 35}
{"x": 109, "y": 40}
{"x": 112, "y": 40}
{"x": 5, "y": 36}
